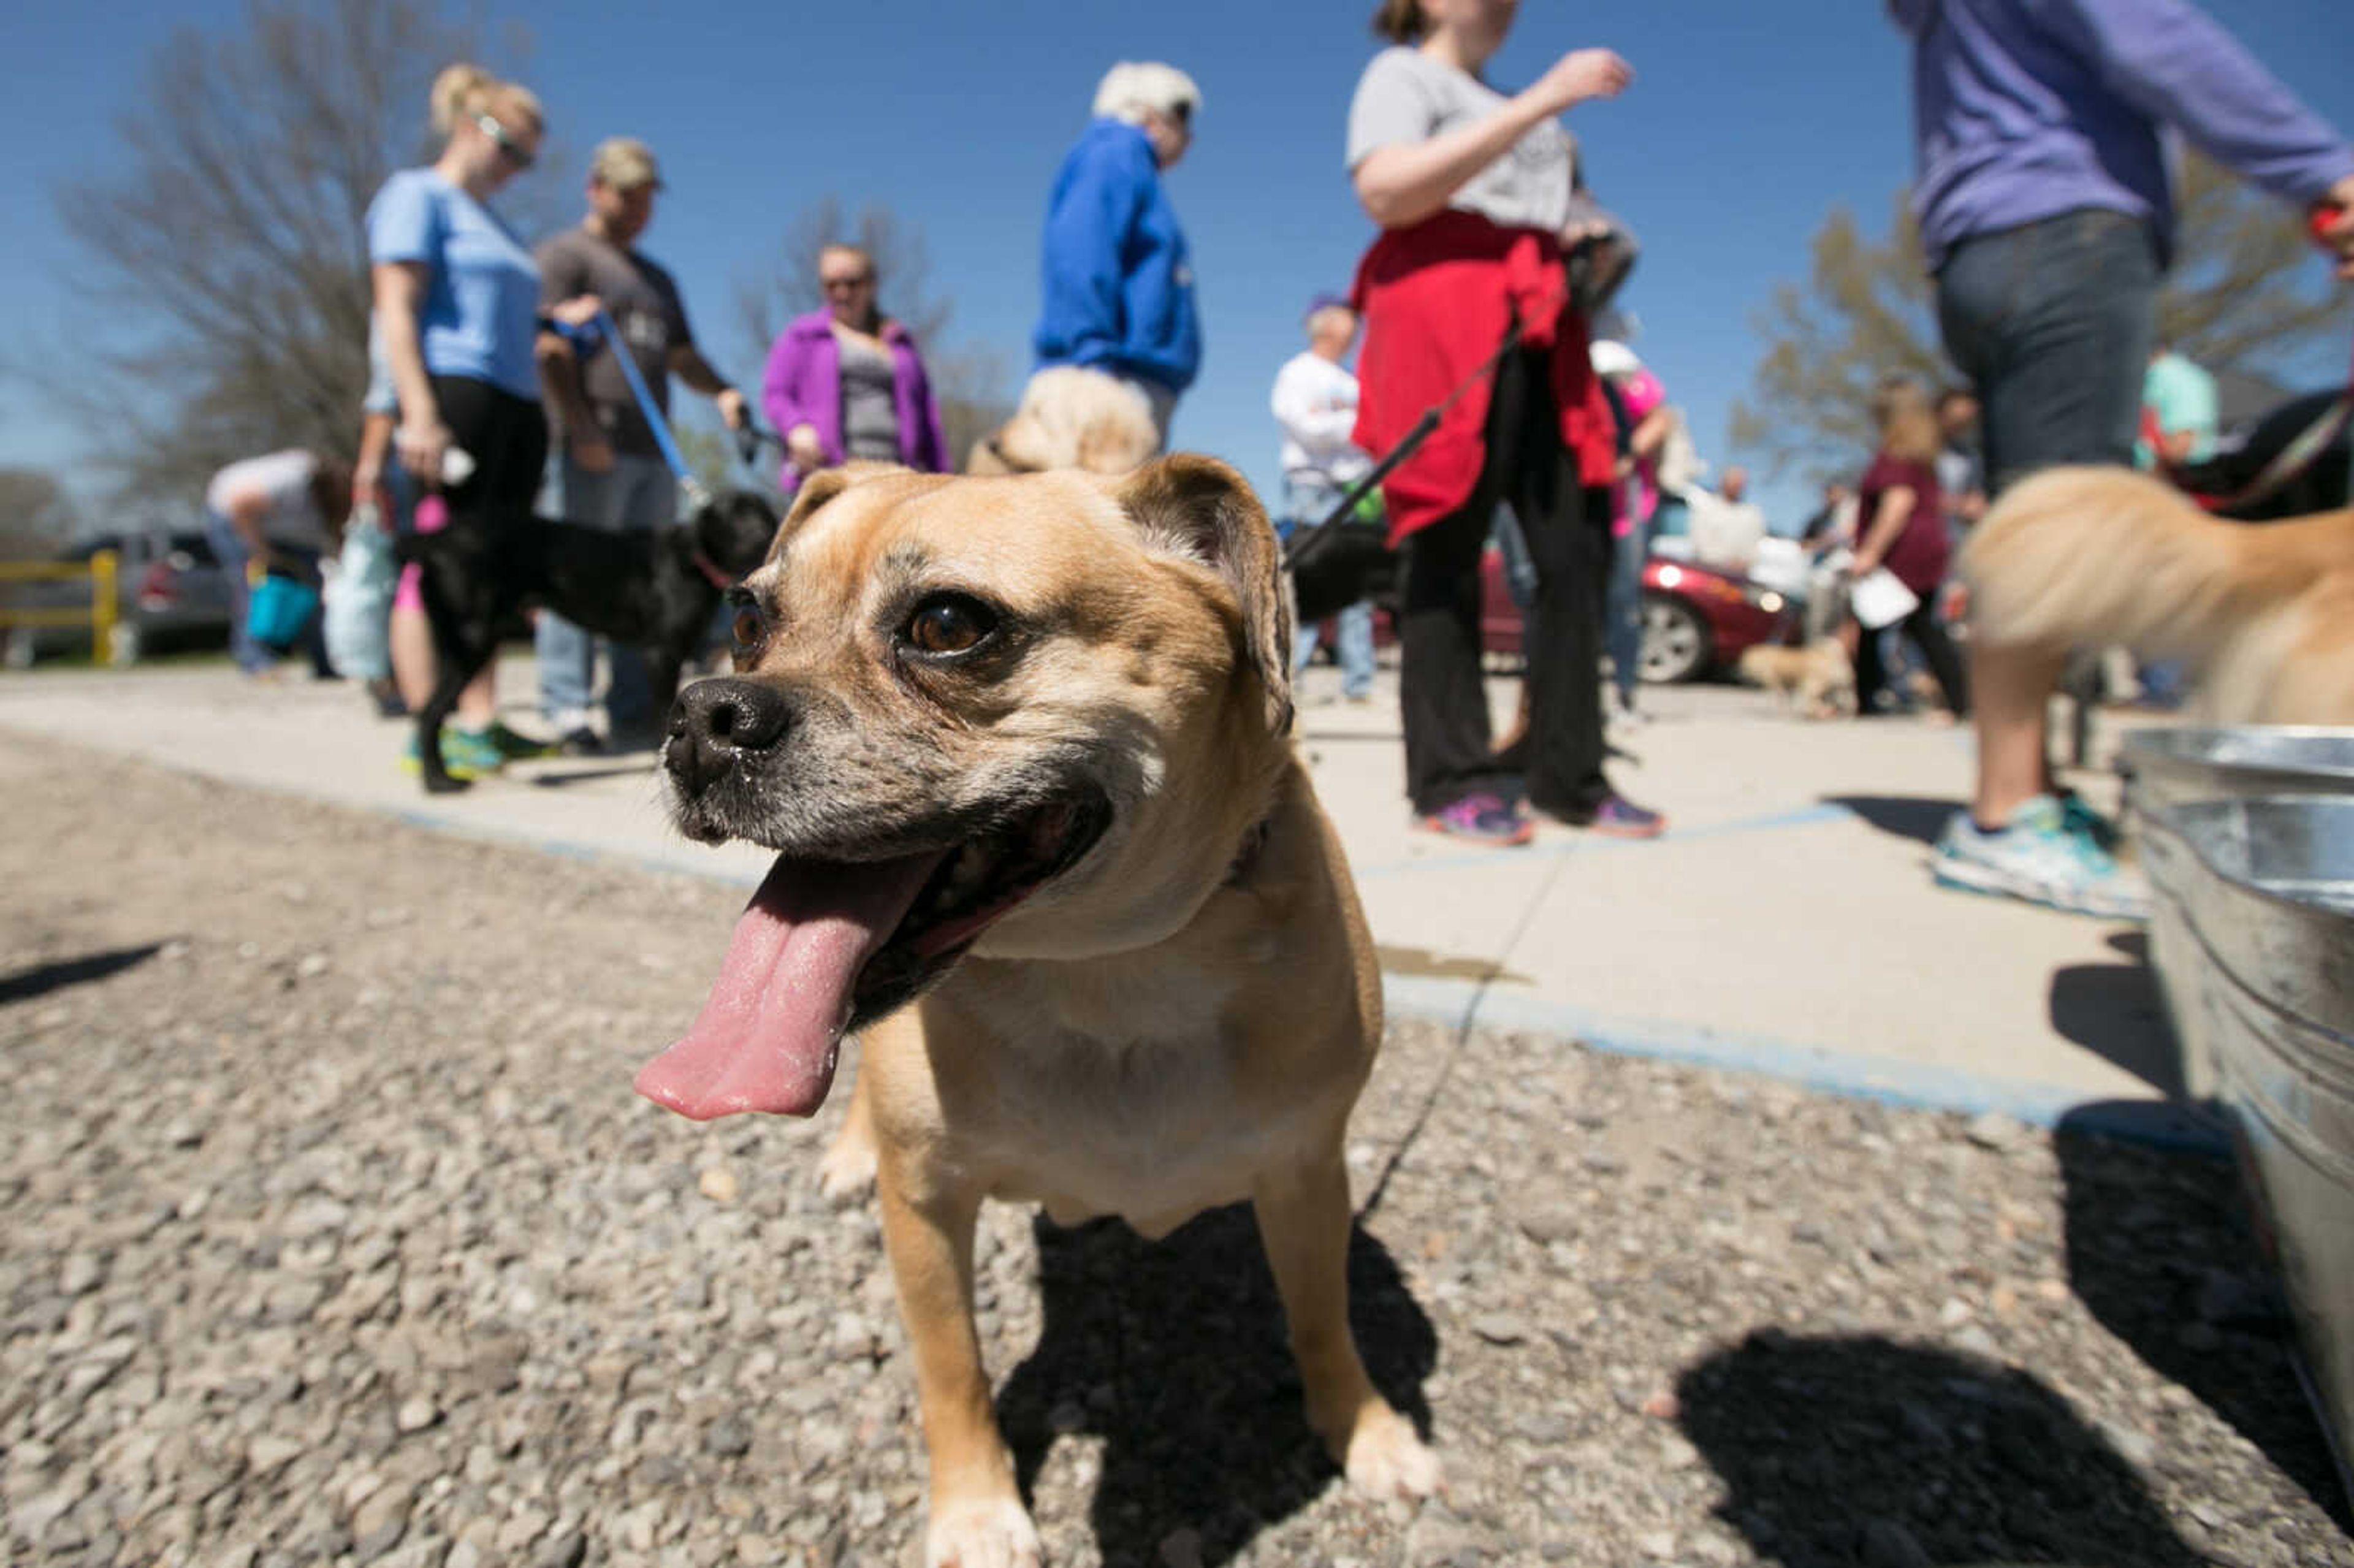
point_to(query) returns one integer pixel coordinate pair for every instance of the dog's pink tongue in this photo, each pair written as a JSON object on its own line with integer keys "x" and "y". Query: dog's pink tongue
{"x": 767, "y": 1039}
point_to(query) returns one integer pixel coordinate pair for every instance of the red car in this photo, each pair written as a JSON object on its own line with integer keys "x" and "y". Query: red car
{"x": 1695, "y": 618}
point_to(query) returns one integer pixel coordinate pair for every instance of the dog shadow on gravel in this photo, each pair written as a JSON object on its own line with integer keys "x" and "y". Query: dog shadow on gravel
{"x": 2162, "y": 1250}
{"x": 1861, "y": 1450}
{"x": 1174, "y": 1352}
{"x": 24, "y": 985}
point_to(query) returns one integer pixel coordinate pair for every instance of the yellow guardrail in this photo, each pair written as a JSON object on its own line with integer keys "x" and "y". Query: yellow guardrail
{"x": 99, "y": 616}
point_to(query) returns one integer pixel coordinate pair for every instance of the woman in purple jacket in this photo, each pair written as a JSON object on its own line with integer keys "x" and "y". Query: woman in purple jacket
{"x": 846, "y": 382}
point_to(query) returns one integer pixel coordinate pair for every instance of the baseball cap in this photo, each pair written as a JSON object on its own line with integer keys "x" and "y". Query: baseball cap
{"x": 1327, "y": 301}
{"x": 624, "y": 162}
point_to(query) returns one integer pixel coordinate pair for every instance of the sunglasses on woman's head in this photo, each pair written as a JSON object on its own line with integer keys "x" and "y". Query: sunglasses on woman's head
{"x": 509, "y": 148}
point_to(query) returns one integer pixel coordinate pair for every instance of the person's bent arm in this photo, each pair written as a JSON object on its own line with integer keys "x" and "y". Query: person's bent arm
{"x": 2176, "y": 66}
{"x": 1888, "y": 520}
{"x": 1403, "y": 183}
{"x": 422, "y": 437}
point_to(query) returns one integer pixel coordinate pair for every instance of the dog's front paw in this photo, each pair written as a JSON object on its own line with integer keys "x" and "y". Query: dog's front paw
{"x": 982, "y": 1532}
{"x": 1385, "y": 1459}
{"x": 847, "y": 1173}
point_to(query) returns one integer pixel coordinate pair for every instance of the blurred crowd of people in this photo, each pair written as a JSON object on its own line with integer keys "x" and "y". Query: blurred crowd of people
{"x": 1484, "y": 311}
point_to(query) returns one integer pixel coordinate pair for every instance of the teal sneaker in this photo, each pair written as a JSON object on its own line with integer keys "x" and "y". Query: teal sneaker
{"x": 2041, "y": 857}
{"x": 2080, "y": 819}
{"x": 465, "y": 754}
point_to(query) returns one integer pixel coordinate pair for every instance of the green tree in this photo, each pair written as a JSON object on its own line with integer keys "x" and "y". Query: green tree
{"x": 970, "y": 382}
{"x": 222, "y": 281}
{"x": 2244, "y": 292}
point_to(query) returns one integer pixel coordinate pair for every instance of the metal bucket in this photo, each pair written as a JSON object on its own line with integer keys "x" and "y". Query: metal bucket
{"x": 2166, "y": 767}
{"x": 2268, "y": 890}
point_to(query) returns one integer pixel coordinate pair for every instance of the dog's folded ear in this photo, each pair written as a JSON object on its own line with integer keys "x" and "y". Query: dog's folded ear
{"x": 825, "y": 484}
{"x": 1198, "y": 507}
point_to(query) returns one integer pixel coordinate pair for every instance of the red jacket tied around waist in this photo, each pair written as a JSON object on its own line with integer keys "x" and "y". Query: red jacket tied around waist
{"x": 1438, "y": 298}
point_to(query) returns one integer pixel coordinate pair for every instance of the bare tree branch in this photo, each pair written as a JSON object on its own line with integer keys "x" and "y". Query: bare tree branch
{"x": 222, "y": 292}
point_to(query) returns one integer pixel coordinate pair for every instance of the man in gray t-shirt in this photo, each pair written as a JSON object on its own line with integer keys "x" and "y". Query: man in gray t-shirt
{"x": 608, "y": 469}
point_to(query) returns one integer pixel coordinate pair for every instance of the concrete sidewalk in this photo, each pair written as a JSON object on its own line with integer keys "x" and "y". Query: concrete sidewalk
{"x": 1785, "y": 925}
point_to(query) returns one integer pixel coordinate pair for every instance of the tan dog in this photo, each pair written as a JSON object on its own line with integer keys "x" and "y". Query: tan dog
{"x": 1817, "y": 681}
{"x": 1071, "y": 417}
{"x": 2087, "y": 556}
{"x": 1020, "y": 744}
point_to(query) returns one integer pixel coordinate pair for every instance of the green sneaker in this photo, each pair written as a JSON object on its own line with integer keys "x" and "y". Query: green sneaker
{"x": 516, "y": 746}
{"x": 465, "y": 754}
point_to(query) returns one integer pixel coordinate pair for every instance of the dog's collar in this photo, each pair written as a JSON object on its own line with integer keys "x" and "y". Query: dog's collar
{"x": 710, "y": 569}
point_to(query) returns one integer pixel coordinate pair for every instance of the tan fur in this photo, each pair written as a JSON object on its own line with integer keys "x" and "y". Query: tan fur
{"x": 1817, "y": 680}
{"x": 1152, "y": 1034}
{"x": 1071, "y": 417}
{"x": 2086, "y": 557}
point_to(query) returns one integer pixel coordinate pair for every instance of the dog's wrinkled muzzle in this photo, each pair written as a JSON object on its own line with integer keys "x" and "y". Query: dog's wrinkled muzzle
{"x": 715, "y": 724}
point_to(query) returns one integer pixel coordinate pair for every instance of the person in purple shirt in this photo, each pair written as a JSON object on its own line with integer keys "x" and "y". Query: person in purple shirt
{"x": 846, "y": 382}
{"x": 2043, "y": 201}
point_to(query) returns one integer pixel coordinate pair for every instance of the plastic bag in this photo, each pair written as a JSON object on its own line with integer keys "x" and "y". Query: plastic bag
{"x": 359, "y": 598}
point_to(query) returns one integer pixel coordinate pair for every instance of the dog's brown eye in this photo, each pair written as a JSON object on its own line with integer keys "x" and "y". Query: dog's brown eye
{"x": 750, "y": 627}
{"x": 950, "y": 625}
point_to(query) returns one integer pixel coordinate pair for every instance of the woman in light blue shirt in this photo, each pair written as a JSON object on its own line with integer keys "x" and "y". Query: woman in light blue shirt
{"x": 457, "y": 307}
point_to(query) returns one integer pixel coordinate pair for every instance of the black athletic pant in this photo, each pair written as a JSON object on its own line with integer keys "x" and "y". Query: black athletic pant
{"x": 1936, "y": 647}
{"x": 1444, "y": 704}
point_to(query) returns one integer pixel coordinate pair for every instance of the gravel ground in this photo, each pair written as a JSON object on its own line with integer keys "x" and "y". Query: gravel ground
{"x": 330, "y": 1232}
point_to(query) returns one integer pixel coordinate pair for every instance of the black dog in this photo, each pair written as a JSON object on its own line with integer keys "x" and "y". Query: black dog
{"x": 657, "y": 590}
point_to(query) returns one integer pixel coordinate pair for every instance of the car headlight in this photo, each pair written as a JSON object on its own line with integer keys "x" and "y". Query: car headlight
{"x": 1765, "y": 599}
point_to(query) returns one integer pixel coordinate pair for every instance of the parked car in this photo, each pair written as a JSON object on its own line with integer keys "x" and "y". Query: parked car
{"x": 170, "y": 592}
{"x": 1695, "y": 618}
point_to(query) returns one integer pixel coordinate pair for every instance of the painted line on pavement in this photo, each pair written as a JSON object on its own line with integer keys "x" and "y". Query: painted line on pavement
{"x": 1804, "y": 817}
{"x": 1914, "y": 1085}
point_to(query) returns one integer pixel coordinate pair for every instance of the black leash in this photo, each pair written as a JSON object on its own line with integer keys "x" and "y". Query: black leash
{"x": 1302, "y": 546}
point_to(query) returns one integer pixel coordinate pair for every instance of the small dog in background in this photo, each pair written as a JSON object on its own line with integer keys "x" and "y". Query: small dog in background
{"x": 1071, "y": 417}
{"x": 1817, "y": 681}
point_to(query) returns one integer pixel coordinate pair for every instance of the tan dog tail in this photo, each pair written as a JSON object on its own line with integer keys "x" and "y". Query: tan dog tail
{"x": 2085, "y": 556}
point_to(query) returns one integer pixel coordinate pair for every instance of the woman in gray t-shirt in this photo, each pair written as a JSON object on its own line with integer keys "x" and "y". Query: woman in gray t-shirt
{"x": 1487, "y": 229}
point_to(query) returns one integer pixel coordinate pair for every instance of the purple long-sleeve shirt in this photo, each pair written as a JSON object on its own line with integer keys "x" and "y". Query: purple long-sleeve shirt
{"x": 802, "y": 385}
{"x": 2026, "y": 109}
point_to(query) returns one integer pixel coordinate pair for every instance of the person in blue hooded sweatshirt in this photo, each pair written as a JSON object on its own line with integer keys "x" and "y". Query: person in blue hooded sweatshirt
{"x": 2041, "y": 133}
{"x": 1117, "y": 294}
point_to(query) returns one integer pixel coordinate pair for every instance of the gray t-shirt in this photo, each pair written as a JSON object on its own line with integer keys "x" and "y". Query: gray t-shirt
{"x": 1406, "y": 97}
{"x": 870, "y": 416}
{"x": 644, "y": 304}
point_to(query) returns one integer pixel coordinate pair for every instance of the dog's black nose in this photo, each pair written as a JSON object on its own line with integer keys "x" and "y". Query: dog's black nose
{"x": 731, "y": 715}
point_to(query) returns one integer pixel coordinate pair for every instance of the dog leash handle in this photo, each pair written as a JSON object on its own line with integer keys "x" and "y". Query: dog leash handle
{"x": 692, "y": 487}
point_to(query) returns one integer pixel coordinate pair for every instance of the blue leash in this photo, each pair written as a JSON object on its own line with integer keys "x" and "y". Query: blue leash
{"x": 696, "y": 496}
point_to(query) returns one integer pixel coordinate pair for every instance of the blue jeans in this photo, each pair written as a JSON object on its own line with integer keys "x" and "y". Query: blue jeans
{"x": 636, "y": 493}
{"x": 2052, "y": 323}
{"x": 1305, "y": 503}
{"x": 1622, "y": 616}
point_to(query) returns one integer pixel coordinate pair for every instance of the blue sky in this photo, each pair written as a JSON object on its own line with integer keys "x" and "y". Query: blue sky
{"x": 1748, "y": 120}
